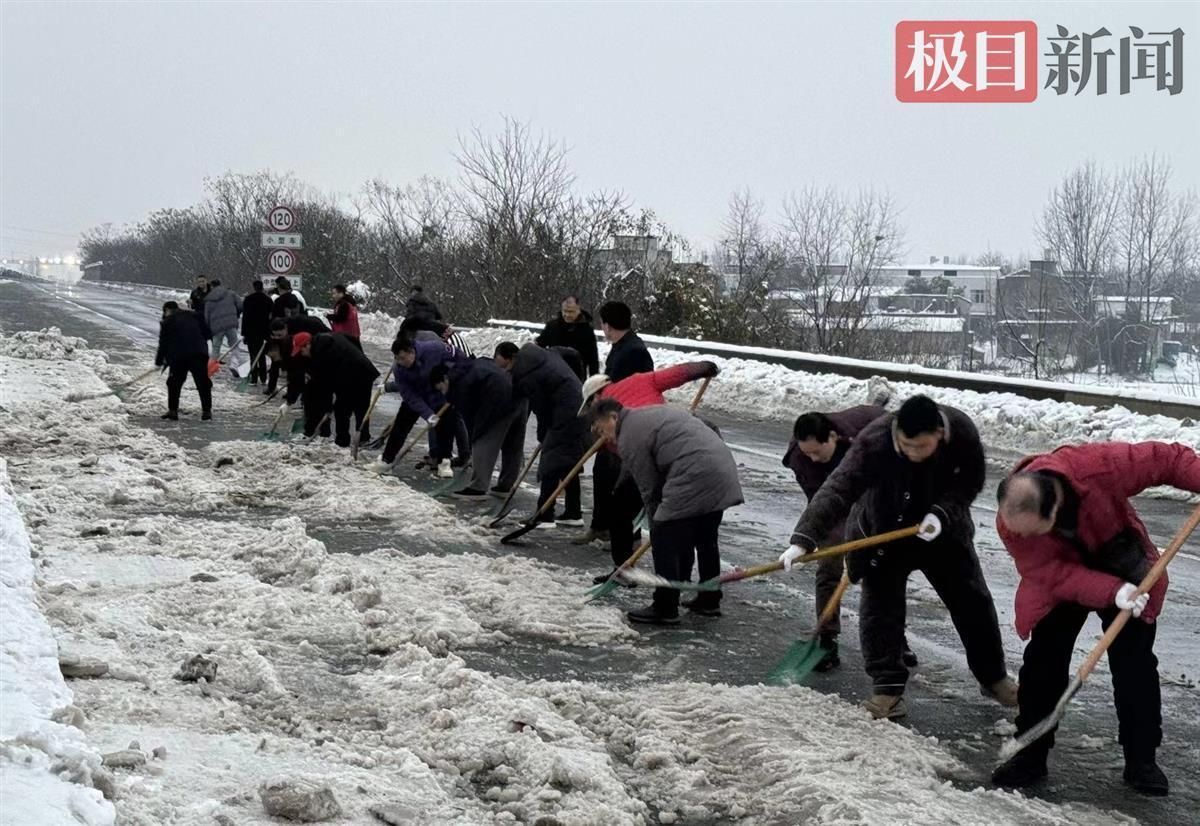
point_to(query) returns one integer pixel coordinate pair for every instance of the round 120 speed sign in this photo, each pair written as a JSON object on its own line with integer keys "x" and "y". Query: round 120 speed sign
{"x": 281, "y": 219}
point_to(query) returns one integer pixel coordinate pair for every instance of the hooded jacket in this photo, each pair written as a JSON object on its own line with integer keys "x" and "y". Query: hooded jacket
{"x": 679, "y": 464}
{"x": 1055, "y": 568}
{"x": 628, "y": 356}
{"x": 413, "y": 382}
{"x": 481, "y": 391}
{"x": 337, "y": 365}
{"x": 886, "y": 491}
{"x": 182, "y": 337}
{"x": 555, "y": 396}
{"x": 222, "y": 308}
{"x": 579, "y": 335}
{"x": 811, "y": 475}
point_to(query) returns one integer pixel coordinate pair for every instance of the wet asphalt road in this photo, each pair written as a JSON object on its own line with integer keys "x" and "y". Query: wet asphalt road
{"x": 762, "y": 617}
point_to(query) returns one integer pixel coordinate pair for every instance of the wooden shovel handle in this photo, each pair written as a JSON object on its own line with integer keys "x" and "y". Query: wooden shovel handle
{"x": 699, "y": 394}
{"x": 1156, "y": 572}
{"x": 824, "y": 553}
{"x": 440, "y": 412}
{"x": 591, "y": 451}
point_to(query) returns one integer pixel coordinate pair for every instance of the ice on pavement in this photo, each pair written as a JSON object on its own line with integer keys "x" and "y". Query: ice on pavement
{"x": 347, "y": 668}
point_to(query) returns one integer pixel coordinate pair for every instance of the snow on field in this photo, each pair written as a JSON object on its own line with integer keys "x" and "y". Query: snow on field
{"x": 758, "y": 390}
{"x": 346, "y": 670}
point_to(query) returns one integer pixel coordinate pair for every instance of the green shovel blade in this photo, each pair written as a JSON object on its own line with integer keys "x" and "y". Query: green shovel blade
{"x": 797, "y": 663}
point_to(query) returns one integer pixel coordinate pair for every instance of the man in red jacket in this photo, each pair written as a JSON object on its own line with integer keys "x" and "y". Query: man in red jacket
{"x": 1080, "y": 547}
{"x": 619, "y": 505}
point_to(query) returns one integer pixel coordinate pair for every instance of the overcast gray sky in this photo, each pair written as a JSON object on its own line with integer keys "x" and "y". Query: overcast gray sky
{"x": 110, "y": 110}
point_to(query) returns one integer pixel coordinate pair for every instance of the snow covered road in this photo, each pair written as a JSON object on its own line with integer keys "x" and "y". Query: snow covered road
{"x": 322, "y": 648}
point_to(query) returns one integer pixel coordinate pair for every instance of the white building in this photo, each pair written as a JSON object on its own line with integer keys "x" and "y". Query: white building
{"x": 978, "y": 284}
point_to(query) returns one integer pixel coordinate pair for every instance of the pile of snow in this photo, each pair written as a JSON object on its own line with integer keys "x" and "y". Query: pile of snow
{"x": 378, "y": 329}
{"x": 46, "y": 766}
{"x": 360, "y": 291}
{"x": 758, "y": 390}
{"x": 349, "y": 673}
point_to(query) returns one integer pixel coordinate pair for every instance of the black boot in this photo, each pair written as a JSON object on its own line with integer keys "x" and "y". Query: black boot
{"x": 1145, "y": 776}
{"x": 908, "y": 657}
{"x": 831, "y": 660}
{"x": 706, "y": 605}
{"x": 1025, "y": 769}
{"x": 206, "y": 416}
{"x": 652, "y": 616}
{"x": 171, "y": 415}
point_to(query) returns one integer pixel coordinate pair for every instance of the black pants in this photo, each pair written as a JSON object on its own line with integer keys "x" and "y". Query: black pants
{"x": 829, "y": 574}
{"x": 677, "y": 543}
{"x": 402, "y": 425}
{"x": 1045, "y": 675}
{"x": 605, "y": 470}
{"x": 258, "y": 370}
{"x": 198, "y": 367}
{"x": 572, "y": 507}
{"x": 952, "y": 568}
{"x": 625, "y": 505}
{"x": 347, "y": 402}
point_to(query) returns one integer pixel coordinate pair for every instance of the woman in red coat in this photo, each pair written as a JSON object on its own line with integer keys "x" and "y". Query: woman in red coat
{"x": 1079, "y": 546}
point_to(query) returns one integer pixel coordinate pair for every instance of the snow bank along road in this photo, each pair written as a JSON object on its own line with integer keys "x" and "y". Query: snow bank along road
{"x": 406, "y": 677}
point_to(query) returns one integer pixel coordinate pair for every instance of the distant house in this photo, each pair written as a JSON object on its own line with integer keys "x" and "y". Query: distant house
{"x": 1044, "y": 309}
{"x": 978, "y": 284}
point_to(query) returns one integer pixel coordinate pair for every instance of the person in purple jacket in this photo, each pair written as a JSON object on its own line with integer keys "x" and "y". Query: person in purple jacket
{"x": 415, "y": 361}
{"x": 819, "y": 443}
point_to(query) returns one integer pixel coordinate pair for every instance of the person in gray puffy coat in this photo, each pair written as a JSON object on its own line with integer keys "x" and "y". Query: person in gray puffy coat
{"x": 687, "y": 478}
{"x": 222, "y": 309}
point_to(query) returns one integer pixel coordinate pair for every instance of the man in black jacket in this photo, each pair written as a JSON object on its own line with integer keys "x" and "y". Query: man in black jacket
{"x": 481, "y": 391}
{"x": 628, "y": 354}
{"x": 341, "y": 377}
{"x": 555, "y": 397}
{"x": 256, "y": 329}
{"x": 287, "y": 304}
{"x": 573, "y": 328}
{"x": 196, "y": 299}
{"x": 923, "y": 464}
{"x": 183, "y": 348}
{"x": 420, "y": 306}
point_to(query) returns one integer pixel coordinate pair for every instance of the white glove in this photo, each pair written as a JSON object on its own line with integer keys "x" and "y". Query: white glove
{"x": 284, "y": 408}
{"x": 791, "y": 555}
{"x": 1126, "y": 600}
{"x": 433, "y": 420}
{"x": 930, "y": 528}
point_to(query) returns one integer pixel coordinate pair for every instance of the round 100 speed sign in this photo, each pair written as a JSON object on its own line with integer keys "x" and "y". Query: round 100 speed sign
{"x": 281, "y": 262}
{"x": 281, "y": 219}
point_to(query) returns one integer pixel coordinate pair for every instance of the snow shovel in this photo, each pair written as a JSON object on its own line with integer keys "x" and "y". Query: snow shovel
{"x": 440, "y": 412}
{"x": 214, "y": 364}
{"x": 800, "y": 660}
{"x": 114, "y": 391}
{"x": 272, "y": 435}
{"x": 738, "y": 574}
{"x": 507, "y": 504}
{"x": 1027, "y": 738}
{"x": 461, "y": 478}
{"x": 317, "y": 429}
{"x": 608, "y": 586}
{"x": 380, "y": 440}
{"x": 354, "y": 443}
{"x": 532, "y": 522}
{"x": 243, "y": 386}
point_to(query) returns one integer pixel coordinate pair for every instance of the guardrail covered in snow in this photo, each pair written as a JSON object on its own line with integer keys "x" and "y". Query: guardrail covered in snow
{"x": 1138, "y": 401}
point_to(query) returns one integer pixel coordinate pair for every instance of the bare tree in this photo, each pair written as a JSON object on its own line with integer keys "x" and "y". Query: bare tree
{"x": 1080, "y": 219}
{"x": 840, "y": 242}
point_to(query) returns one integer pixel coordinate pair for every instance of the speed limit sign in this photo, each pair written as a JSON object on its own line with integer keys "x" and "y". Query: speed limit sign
{"x": 281, "y": 219}
{"x": 281, "y": 262}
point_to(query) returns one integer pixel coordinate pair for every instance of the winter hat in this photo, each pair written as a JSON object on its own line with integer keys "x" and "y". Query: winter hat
{"x": 298, "y": 342}
{"x": 595, "y": 384}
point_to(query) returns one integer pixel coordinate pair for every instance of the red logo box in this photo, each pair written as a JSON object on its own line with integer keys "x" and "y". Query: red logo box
{"x": 966, "y": 61}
